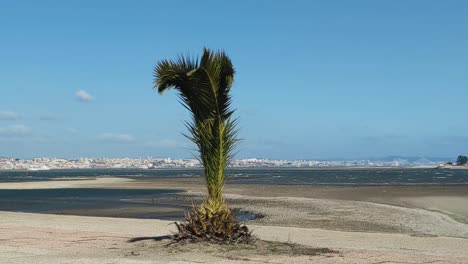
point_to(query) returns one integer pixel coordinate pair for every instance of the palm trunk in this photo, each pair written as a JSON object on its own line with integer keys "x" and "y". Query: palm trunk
{"x": 215, "y": 174}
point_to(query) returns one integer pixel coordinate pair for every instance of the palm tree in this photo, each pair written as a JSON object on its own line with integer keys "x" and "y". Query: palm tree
{"x": 204, "y": 87}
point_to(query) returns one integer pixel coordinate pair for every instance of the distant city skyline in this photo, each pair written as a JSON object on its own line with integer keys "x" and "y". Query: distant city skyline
{"x": 154, "y": 163}
{"x": 315, "y": 79}
{"x": 371, "y": 159}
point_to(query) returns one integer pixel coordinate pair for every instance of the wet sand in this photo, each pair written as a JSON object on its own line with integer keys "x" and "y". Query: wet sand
{"x": 445, "y": 199}
{"x": 415, "y": 210}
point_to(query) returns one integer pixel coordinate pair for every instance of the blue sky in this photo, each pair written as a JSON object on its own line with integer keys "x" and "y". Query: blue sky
{"x": 315, "y": 79}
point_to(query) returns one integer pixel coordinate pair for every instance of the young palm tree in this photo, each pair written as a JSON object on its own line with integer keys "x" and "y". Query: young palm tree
{"x": 204, "y": 87}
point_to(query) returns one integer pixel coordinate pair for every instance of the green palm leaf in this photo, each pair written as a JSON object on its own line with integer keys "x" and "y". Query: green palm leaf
{"x": 204, "y": 89}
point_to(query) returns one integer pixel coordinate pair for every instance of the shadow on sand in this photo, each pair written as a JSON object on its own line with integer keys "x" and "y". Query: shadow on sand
{"x": 156, "y": 238}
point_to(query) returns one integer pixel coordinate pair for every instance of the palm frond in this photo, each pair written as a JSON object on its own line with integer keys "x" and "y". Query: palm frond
{"x": 204, "y": 88}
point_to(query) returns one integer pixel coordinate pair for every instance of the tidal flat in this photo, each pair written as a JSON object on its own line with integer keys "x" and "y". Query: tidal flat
{"x": 91, "y": 220}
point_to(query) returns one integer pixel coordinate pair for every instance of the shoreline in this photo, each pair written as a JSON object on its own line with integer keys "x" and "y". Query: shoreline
{"x": 435, "y": 167}
{"x": 346, "y": 208}
{"x": 366, "y": 224}
{"x": 128, "y": 178}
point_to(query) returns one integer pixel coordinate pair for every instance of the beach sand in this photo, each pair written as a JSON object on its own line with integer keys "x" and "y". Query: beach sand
{"x": 366, "y": 224}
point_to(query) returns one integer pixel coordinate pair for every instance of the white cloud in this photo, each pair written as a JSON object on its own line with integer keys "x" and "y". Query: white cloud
{"x": 52, "y": 118}
{"x": 117, "y": 137}
{"x": 72, "y": 130}
{"x": 165, "y": 143}
{"x": 15, "y": 131}
{"x": 84, "y": 96}
{"x": 8, "y": 115}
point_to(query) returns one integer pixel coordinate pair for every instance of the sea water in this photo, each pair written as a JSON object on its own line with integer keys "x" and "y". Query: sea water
{"x": 167, "y": 204}
{"x": 372, "y": 176}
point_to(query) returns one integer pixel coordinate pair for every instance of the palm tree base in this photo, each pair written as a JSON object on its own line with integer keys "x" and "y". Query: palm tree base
{"x": 212, "y": 222}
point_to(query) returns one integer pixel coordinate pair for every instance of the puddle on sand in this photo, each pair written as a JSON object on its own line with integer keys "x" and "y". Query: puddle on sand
{"x": 242, "y": 216}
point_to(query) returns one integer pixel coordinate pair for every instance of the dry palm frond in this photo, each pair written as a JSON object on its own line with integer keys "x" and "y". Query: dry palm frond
{"x": 215, "y": 225}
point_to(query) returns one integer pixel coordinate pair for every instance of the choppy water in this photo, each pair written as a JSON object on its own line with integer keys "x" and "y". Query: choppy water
{"x": 267, "y": 176}
{"x": 168, "y": 204}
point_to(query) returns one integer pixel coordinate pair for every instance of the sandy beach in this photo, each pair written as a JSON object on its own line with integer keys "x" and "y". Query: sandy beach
{"x": 361, "y": 224}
